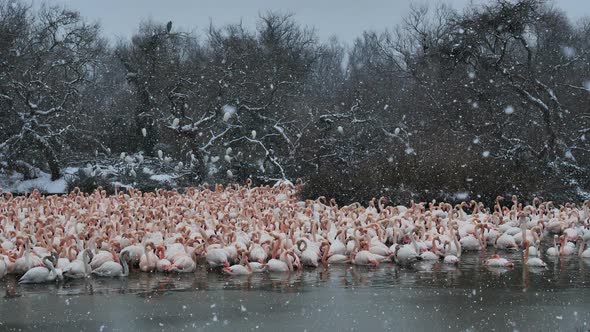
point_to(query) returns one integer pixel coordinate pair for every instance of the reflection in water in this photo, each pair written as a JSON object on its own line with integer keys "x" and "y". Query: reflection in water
{"x": 426, "y": 296}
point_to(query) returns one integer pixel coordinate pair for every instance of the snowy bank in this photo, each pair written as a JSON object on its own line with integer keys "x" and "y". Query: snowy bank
{"x": 16, "y": 184}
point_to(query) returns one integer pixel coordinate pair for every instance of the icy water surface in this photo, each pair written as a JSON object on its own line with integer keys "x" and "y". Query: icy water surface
{"x": 423, "y": 297}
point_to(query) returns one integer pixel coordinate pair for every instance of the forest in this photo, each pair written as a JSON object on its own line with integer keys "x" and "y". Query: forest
{"x": 449, "y": 105}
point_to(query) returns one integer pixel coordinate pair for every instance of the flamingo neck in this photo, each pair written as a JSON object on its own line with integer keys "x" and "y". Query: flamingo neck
{"x": 125, "y": 267}
{"x": 325, "y": 256}
{"x": 413, "y": 238}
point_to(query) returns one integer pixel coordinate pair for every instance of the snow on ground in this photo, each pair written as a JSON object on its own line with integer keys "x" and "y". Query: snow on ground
{"x": 121, "y": 185}
{"x": 282, "y": 181}
{"x": 16, "y": 184}
{"x": 162, "y": 178}
{"x": 70, "y": 170}
{"x": 583, "y": 193}
{"x": 461, "y": 196}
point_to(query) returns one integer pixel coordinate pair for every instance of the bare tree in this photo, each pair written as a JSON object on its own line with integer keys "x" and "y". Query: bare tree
{"x": 48, "y": 55}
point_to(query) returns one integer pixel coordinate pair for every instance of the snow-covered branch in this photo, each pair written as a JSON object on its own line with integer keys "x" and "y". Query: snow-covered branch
{"x": 49, "y": 111}
{"x": 215, "y": 137}
{"x": 195, "y": 126}
{"x": 269, "y": 153}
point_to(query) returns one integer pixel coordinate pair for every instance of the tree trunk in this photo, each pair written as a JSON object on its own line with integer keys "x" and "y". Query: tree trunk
{"x": 50, "y": 157}
{"x": 144, "y": 118}
{"x": 53, "y": 164}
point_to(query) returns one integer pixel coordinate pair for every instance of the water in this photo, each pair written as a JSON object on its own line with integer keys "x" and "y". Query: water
{"x": 423, "y": 297}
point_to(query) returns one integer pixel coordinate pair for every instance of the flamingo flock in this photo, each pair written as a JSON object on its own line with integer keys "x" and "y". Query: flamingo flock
{"x": 240, "y": 230}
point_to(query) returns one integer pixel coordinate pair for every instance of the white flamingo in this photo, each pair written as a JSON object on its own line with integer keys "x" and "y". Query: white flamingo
{"x": 114, "y": 269}
{"x": 40, "y": 274}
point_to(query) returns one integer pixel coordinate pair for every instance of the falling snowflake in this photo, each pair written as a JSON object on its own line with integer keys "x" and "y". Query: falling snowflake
{"x": 509, "y": 110}
{"x": 568, "y": 52}
{"x": 228, "y": 112}
{"x": 486, "y": 154}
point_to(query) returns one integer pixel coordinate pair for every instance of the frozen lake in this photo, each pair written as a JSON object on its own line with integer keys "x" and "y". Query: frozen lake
{"x": 471, "y": 297}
